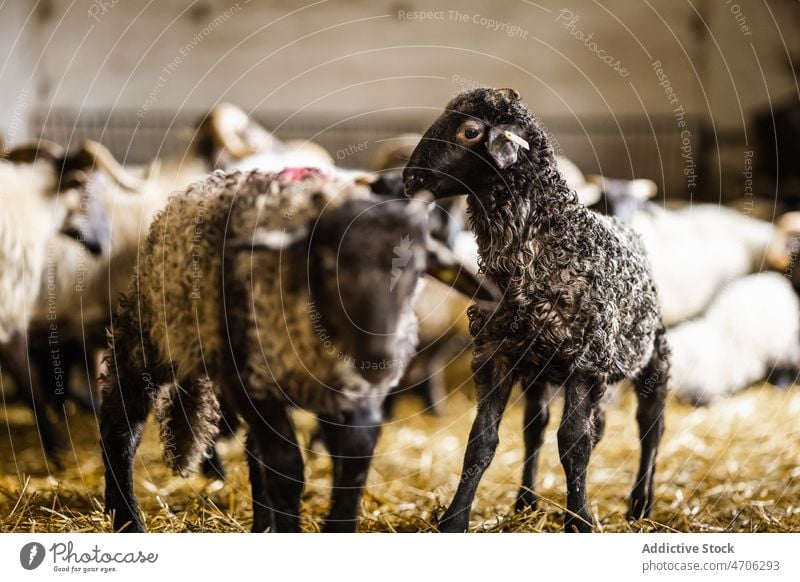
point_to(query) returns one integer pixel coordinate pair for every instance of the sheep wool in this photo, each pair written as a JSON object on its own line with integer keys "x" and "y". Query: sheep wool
{"x": 580, "y": 307}
{"x": 223, "y": 308}
{"x": 751, "y": 329}
{"x": 82, "y": 289}
{"x": 181, "y": 279}
{"x": 29, "y": 216}
{"x": 695, "y": 251}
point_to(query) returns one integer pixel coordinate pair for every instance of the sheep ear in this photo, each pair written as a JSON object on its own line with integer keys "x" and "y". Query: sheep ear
{"x": 503, "y": 147}
{"x": 642, "y": 189}
{"x": 445, "y": 266}
{"x": 272, "y": 240}
{"x": 506, "y": 94}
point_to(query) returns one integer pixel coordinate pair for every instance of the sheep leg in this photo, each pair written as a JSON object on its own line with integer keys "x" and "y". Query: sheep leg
{"x": 274, "y": 434}
{"x": 329, "y": 431}
{"x": 390, "y": 402}
{"x": 435, "y": 387}
{"x": 493, "y": 383}
{"x": 651, "y": 391}
{"x": 537, "y": 414}
{"x": 353, "y": 442}
{"x": 128, "y": 394}
{"x": 262, "y": 512}
{"x": 575, "y": 442}
{"x": 85, "y": 396}
{"x": 212, "y": 466}
{"x": 598, "y": 424}
{"x": 14, "y": 358}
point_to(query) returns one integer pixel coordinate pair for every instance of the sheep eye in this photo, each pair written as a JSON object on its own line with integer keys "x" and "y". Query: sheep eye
{"x": 470, "y": 132}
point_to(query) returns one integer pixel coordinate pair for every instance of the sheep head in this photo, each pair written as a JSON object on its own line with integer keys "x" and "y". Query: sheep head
{"x": 73, "y": 188}
{"x": 87, "y": 176}
{"x": 624, "y": 197}
{"x": 361, "y": 261}
{"x": 482, "y": 134}
{"x": 227, "y": 134}
{"x": 85, "y": 220}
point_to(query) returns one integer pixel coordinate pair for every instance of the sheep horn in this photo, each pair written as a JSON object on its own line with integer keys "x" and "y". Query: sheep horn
{"x": 96, "y": 154}
{"x": 29, "y": 152}
{"x": 153, "y": 169}
{"x": 224, "y": 121}
{"x": 789, "y": 222}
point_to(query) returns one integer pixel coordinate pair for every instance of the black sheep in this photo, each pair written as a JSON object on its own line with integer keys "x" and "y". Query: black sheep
{"x": 579, "y": 308}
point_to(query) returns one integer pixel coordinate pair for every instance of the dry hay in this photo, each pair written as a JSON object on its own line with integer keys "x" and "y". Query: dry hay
{"x": 732, "y": 467}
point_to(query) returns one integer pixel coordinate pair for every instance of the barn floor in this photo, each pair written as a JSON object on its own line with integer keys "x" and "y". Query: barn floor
{"x": 732, "y": 467}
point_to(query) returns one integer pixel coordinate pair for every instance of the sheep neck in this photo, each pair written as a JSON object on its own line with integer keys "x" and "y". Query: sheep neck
{"x": 518, "y": 217}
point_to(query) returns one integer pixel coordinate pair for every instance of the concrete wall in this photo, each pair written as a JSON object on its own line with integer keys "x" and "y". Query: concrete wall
{"x": 718, "y": 59}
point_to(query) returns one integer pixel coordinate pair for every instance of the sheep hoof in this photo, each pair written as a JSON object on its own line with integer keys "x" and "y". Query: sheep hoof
{"x": 129, "y": 526}
{"x": 339, "y": 526}
{"x": 454, "y": 523}
{"x": 526, "y": 499}
{"x": 581, "y": 523}
{"x": 641, "y": 506}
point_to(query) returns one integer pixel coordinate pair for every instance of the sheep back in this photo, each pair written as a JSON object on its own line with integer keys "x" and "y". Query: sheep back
{"x": 752, "y": 327}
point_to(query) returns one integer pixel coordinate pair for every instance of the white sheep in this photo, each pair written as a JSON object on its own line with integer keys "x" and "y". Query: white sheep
{"x": 750, "y": 330}
{"x": 588, "y": 192}
{"x": 693, "y": 251}
{"x": 80, "y": 292}
{"x": 40, "y": 195}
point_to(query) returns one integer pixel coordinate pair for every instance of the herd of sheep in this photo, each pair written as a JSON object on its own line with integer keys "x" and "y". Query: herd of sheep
{"x": 252, "y": 276}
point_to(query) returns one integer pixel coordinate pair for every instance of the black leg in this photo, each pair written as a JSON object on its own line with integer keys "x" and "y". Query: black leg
{"x": 435, "y": 385}
{"x": 651, "y": 391}
{"x": 390, "y": 402}
{"x": 329, "y": 430}
{"x": 598, "y": 423}
{"x": 14, "y": 358}
{"x": 85, "y": 395}
{"x": 273, "y": 433}
{"x": 212, "y": 466}
{"x": 493, "y": 383}
{"x": 128, "y": 396}
{"x": 537, "y": 414}
{"x": 352, "y": 445}
{"x": 434, "y": 390}
{"x": 262, "y": 512}
{"x": 575, "y": 443}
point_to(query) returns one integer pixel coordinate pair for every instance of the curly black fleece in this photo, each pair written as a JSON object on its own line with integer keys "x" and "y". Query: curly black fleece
{"x": 580, "y": 306}
{"x": 579, "y": 295}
